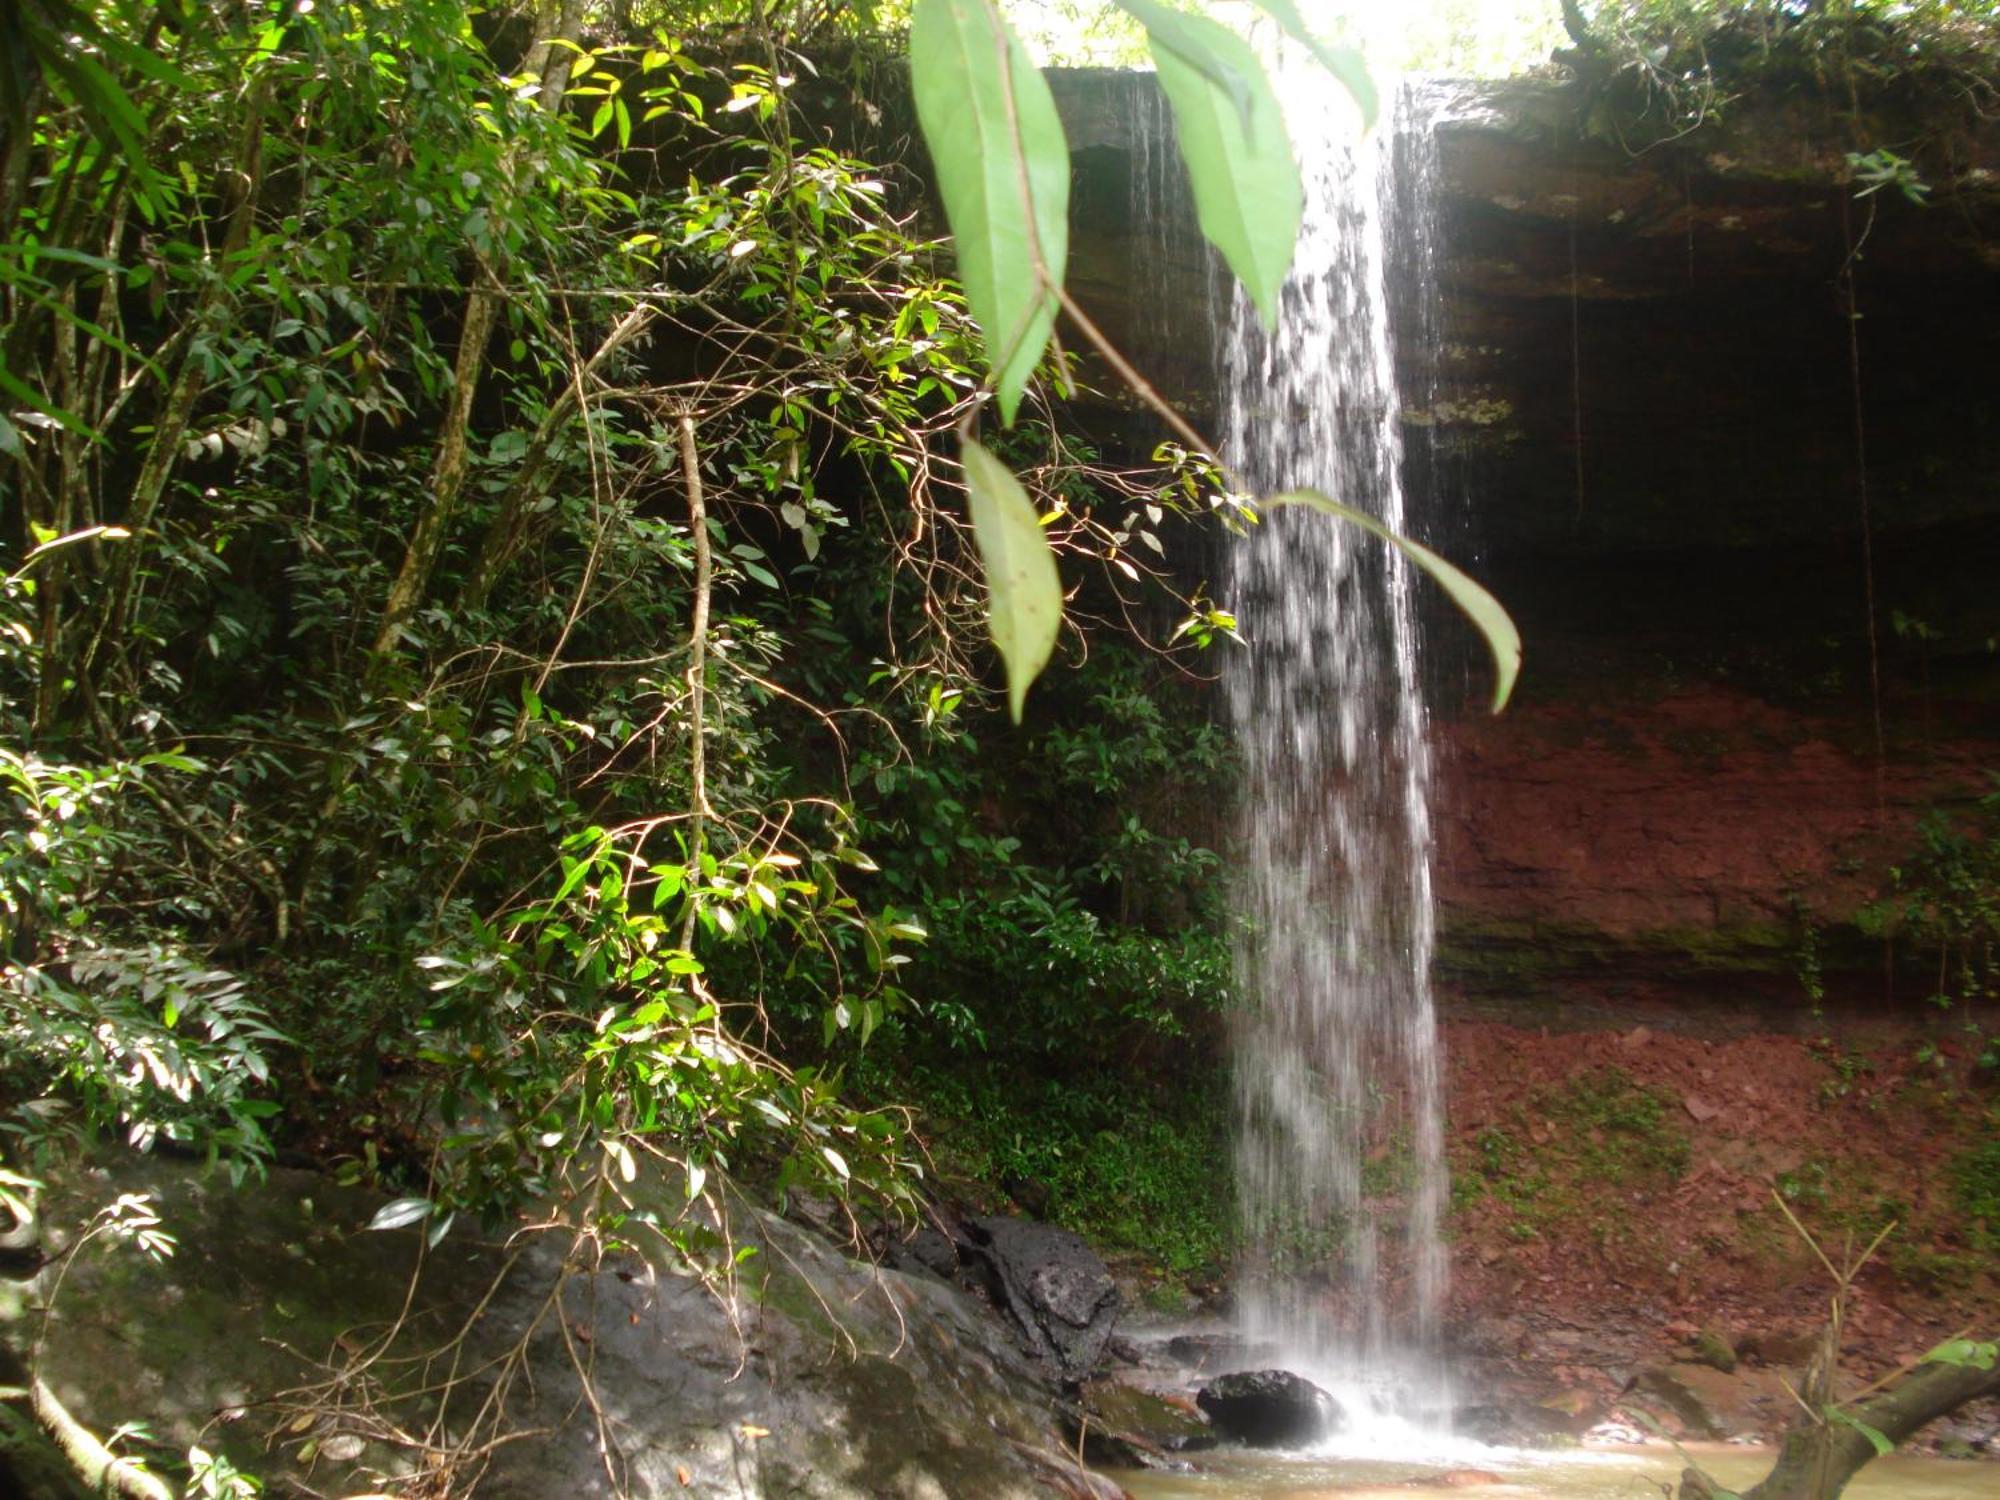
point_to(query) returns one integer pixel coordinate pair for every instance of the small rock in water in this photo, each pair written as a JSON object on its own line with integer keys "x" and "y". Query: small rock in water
{"x": 1270, "y": 1409}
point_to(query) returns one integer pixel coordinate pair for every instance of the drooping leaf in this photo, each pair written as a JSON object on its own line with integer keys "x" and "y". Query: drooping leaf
{"x": 1169, "y": 28}
{"x": 1877, "y": 1439}
{"x": 402, "y": 1211}
{"x": 1247, "y": 196}
{"x": 1023, "y": 594}
{"x": 1343, "y": 63}
{"x": 1003, "y": 171}
{"x": 1478, "y": 606}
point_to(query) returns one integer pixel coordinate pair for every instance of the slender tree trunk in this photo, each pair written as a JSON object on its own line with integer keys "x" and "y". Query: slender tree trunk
{"x": 697, "y": 673}
{"x": 482, "y": 310}
{"x": 170, "y": 426}
{"x": 504, "y": 536}
{"x": 1819, "y": 1458}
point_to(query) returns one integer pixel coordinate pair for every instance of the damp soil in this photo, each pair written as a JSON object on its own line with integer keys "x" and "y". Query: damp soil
{"x": 1619, "y": 1193}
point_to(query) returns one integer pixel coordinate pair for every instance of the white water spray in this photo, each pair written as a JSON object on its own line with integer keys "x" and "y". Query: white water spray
{"x": 1340, "y": 1168}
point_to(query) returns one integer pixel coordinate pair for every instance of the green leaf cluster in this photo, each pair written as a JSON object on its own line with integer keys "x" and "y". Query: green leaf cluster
{"x": 1002, "y": 165}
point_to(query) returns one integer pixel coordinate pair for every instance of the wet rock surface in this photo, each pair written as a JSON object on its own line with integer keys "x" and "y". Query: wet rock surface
{"x": 1675, "y": 1393}
{"x": 1270, "y": 1409}
{"x": 815, "y": 1376}
{"x": 1053, "y": 1288}
{"x": 1518, "y": 1423}
{"x": 1121, "y": 1425}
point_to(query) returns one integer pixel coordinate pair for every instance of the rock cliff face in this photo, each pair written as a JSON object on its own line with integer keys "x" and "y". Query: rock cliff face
{"x": 531, "y": 1365}
{"x": 1701, "y": 416}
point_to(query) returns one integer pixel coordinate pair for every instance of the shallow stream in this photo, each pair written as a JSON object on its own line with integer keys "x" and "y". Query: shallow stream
{"x": 1579, "y": 1474}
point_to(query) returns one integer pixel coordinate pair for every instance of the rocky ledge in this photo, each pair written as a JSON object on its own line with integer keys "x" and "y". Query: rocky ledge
{"x": 313, "y": 1353}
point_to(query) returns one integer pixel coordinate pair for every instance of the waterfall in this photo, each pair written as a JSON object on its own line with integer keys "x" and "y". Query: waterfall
{"x": 1340, "y": 1169}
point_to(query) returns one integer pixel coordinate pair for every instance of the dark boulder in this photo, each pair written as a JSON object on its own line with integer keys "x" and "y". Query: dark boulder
{"x": 1052, "y": 1289}
{"x": 1270, "y": 1409}
{"x": 925, "y": 1248}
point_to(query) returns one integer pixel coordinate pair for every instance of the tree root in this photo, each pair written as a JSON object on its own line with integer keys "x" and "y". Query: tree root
{"x": 102, "y": 1471}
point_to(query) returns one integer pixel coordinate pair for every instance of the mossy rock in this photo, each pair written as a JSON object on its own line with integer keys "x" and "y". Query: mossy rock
{"x": 1715, "y": 1351}
{"x": 814, "y": 1376}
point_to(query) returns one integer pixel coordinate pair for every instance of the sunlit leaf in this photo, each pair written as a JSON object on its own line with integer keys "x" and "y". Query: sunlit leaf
{"x": 1247, "y": 195}
{"x": 402, "y": 1211}
{"x": 1023, "y": 593}
{"x": 1172, "y": 29}
{"x": 1003, "y": 171}
{"x": 621, "y": 1155}
{"x": 1964, "y": 1351}
{"x": 1480, "y": 607}
{"x": 1343, "y": 63}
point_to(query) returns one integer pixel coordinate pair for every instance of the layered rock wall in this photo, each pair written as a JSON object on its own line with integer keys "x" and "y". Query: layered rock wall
{"x": 1701, "y": 415}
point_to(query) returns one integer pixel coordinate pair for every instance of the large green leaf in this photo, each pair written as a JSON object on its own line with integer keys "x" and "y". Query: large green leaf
{"x": 1172, "y": 29}
{"x": 1023, "y": 595}
{"x": 1003, "y": 171}
{"x": 1480, "y": 607}
{"x": 1247, "y": 195}
{"x": 1343, "y": 63}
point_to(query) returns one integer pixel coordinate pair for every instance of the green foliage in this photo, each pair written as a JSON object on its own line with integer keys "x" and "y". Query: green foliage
{"x": 1675, "y": 65}
{"x": 1977, "y": 1354}
{"x": 1975, "y": 1183}
{"x": 1144, "y": 1173}
{"x": 1023, "y": 594}
{"x": 1549, "y": 1165}
{"x": 1232, "y": 136}
{"x": 1002, "y": 164}
{"x": 1945, "y": 905}
{"x": 1065, "y": 1025}
{"x": 431, "y": 752}
{"x": 459, "y": 868}
{"x": 1003, "y": 172}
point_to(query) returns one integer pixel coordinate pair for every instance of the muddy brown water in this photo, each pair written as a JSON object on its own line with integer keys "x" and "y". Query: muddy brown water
{"x": 1578, "y": 1474}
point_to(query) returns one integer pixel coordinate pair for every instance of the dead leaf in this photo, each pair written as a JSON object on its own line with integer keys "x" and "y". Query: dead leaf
{"x": 344, "y": 1448}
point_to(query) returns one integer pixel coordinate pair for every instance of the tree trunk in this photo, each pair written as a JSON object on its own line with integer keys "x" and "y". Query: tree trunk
{"x": 406, "y": 593}
{"x": 1820, "y": 1457}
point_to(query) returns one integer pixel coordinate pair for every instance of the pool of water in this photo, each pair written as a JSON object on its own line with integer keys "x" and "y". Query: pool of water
{"x": 1576, "y": 1474}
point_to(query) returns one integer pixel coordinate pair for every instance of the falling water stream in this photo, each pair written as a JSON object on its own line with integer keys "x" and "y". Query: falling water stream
{"x": 1340, "y": 1169}
{"x": 1340, "y": 1144}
